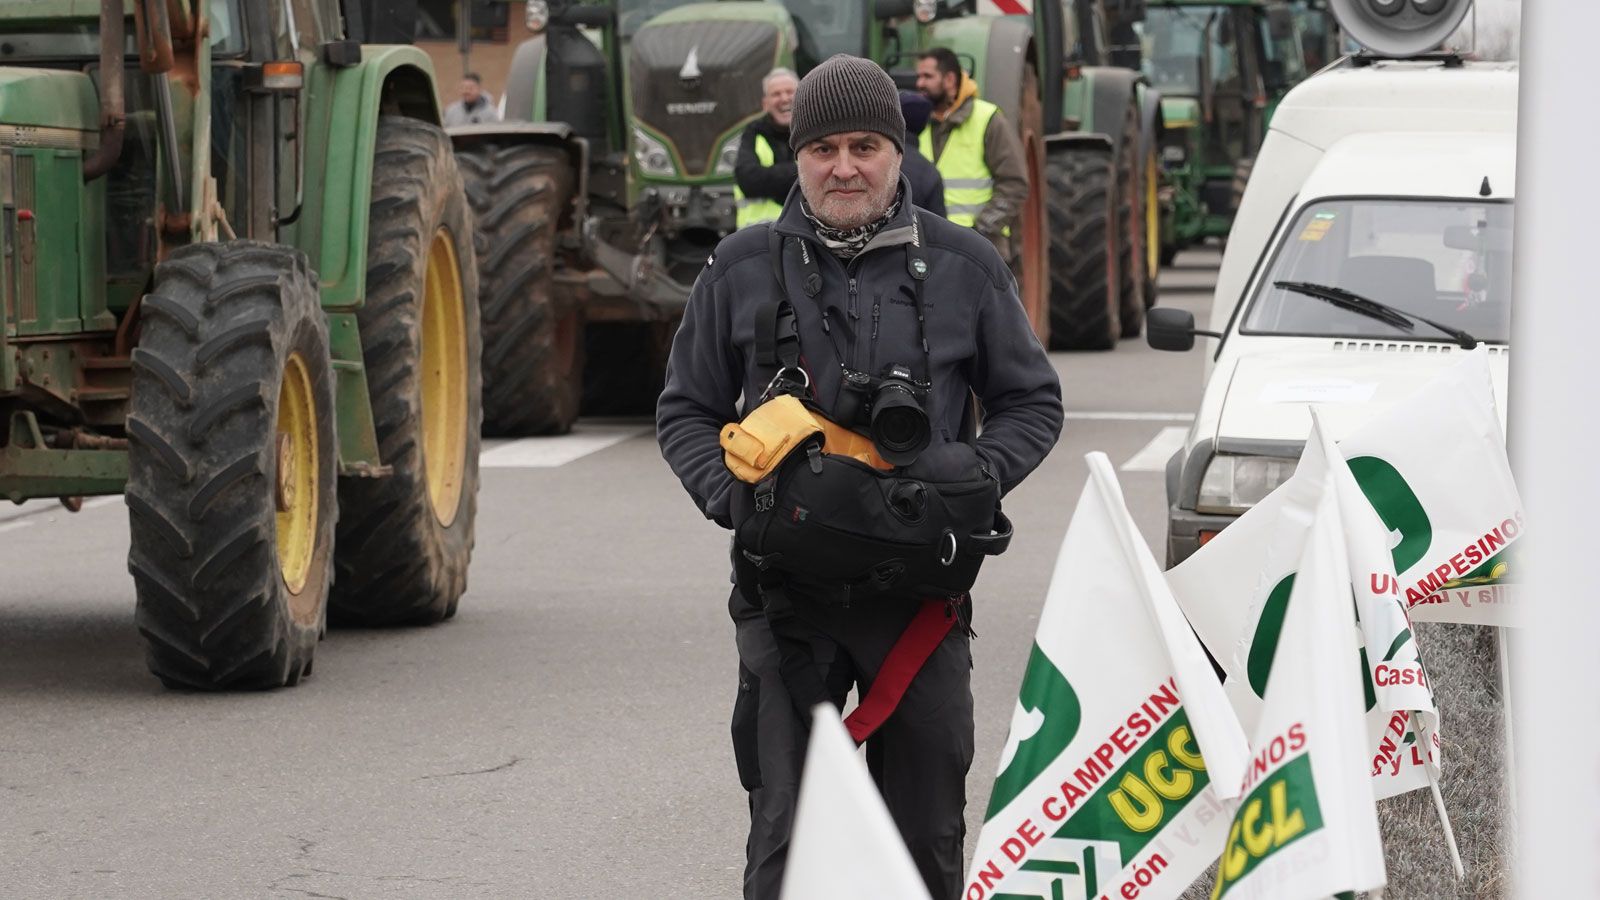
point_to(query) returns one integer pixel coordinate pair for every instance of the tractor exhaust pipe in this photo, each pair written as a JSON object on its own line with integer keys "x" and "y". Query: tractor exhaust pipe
{"x": 112, "y": 117}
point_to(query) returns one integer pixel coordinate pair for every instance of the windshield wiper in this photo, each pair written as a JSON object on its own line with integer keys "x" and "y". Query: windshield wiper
{"x": 1372, "y": 309}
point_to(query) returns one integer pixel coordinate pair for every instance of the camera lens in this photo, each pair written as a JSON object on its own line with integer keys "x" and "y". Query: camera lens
{"x": 900, "y": 428}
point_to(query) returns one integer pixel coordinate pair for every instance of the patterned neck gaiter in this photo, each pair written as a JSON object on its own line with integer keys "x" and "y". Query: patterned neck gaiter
{"x": 845, "y": 243}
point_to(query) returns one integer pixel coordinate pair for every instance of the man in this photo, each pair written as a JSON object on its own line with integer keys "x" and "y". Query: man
{"x": 927, "y": 186}
{"x": 975, "y": 148}
{"x": 850, "y": 243}
{"x": 475, "y": 105}
{"x": 765, "y": 171}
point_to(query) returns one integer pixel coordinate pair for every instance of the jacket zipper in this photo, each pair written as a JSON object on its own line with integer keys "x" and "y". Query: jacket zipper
{"x": 855, "y": 315}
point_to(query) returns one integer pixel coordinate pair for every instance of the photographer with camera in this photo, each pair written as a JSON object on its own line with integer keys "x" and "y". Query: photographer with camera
{"x": 859, "y": 337}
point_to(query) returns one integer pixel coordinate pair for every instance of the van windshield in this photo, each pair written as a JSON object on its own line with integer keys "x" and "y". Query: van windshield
{"x": 1446, "y": 260}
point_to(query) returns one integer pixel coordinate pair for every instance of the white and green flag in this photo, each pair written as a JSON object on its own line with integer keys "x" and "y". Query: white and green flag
{"x": 1435, "y": 468}
{"x": 1252, "y": 566}
{"x": 1122, "y": 746}
{"x": 1306, "y": 826}
{"x": 844, "y": 845}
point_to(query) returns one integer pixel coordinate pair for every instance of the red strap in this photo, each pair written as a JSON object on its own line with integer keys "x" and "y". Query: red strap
{"x": 926, "y": 631}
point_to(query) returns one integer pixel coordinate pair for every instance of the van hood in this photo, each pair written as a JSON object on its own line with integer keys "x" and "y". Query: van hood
{"x": 1269, "y": 393}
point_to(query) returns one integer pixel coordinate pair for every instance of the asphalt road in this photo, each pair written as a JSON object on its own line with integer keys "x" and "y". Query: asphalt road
{"x": 565, "y": 735}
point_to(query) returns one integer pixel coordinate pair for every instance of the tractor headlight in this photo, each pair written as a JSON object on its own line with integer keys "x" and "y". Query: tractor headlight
{"x": 538, "y": 15}
{"x": 924, "y": 10}
{"x": 651, "y": 155}
{"x": 728, "y": 156}
{"x": 1233, "y": 484}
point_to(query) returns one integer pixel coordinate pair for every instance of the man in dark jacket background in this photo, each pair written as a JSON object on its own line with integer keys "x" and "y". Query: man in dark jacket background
{"x": 927, "y": 186}
{"x": 765, "y": 170}
{"x": 848, "y": 225}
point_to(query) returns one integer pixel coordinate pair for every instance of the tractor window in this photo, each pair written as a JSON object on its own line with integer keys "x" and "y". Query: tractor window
{"x": 632, "y": 14}
{"x": 1175, "y": 43}
{"x": 1449, "y": 261}
{"x": 131, "y": 185}
{"x": 1282, "y": 63}
{"x": 827, "y": 27}
{"x": 63, "y": 42}
{"x": 227, "y": 28}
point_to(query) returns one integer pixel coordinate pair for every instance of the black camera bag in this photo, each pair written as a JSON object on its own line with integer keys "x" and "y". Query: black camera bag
{"x": 834, "y": 520}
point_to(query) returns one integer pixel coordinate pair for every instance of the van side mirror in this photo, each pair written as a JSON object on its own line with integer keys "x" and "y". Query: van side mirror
{"x": 1172, "y": 329}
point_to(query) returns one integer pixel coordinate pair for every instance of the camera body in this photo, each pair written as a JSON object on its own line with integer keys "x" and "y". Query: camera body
{"x": 891, "y": 407}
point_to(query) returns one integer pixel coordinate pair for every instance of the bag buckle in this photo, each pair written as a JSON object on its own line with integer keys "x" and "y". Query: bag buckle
{"x": 783, "y": 376}
{"x": 766, "y": 495}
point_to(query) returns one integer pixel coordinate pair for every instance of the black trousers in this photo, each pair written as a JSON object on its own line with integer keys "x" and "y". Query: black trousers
{"x": 919, "y": 758}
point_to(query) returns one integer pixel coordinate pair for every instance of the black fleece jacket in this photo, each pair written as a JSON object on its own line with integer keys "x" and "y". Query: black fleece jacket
{"x": 978, "y": 336}
{"x": 761, "y": 182}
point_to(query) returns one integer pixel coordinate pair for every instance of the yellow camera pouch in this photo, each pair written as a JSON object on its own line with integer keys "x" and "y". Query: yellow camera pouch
{"x": 753, "y": 448}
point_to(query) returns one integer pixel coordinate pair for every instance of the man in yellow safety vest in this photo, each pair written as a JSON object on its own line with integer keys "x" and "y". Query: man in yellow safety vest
{"x": 975, "y": 149}
{"x": 766, "y": 169}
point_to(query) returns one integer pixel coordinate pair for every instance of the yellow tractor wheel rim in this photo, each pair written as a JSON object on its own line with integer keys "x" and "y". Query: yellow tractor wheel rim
{"x": 1152, "y": 216}
{"x": 444, "y": 378}
{"x": 296, "y": 498}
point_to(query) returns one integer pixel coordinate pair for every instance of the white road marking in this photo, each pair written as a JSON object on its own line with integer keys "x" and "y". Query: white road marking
{"x": 1154, "y": 456}
{"x": 549, "y": 452}
{"x": 36, "y": 510}
{"x": 1092, "y": 416}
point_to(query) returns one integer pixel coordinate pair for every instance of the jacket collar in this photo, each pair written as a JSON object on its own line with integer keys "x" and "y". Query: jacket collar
{"x": 898, "y": 231}
{"x": 965, "y": 95}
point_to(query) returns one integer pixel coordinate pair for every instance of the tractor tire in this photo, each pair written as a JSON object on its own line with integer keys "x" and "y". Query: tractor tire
{"x": 627, "y": 367}
{"x": 1241, "y": 179}
{"x": 1084, "y": 311}
{"x": 532, "y": 334}
{"x": 1131, "y": 262}
{"x": 1150, "y": 191}
{"x": 405, "y": 538}
{"x": 1030, "y": 233}
{"x": 232, "y": 465}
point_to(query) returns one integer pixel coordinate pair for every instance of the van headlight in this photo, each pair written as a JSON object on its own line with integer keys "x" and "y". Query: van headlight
{"x": 651, "y": 155}
{"x": 1233, "y": 484}
{"x": 728, "y": 156}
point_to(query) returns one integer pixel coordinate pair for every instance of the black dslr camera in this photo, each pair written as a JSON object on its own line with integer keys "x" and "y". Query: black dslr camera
{"x": 890, "y": 407}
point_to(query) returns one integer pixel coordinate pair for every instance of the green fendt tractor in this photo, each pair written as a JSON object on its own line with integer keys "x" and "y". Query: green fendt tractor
{"x": 239, "y": 287}
{"x": 602, "y": 193}
{"x": 1221, "y": 67}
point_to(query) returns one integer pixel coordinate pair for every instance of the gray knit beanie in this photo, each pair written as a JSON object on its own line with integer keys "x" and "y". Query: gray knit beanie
{"x": 846, "y": 93}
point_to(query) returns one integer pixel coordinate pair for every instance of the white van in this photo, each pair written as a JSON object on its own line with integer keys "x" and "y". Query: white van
{"x": 1386, "y": 181}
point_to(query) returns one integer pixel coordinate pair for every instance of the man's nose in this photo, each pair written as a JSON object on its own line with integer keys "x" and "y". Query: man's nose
{"x": 844, "y": 168}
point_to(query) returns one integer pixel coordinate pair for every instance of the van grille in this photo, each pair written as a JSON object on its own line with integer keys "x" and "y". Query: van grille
{"x": 1405, "y": 347}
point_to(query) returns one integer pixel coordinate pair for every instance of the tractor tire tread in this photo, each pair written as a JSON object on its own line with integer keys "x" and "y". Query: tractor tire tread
{"x": 532, "y": 383}
{"x": 210, "y": 598}
{"x": 1082, "y": 195}
{"x": 416, "y": 190}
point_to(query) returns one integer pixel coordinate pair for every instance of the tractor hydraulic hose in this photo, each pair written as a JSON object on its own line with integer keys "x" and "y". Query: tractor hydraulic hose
{"x": 112, "y": 119}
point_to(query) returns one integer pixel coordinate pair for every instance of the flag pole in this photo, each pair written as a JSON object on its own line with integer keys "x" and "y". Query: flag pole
{"x": 1503, "y": 646}
{"x": 1449, "y": 832}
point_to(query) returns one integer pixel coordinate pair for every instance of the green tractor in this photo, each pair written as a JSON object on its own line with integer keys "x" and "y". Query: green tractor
{"x": 1221, "y": 67}
{"x": 239, "y": 288}
{"x": 602, "y": 193}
